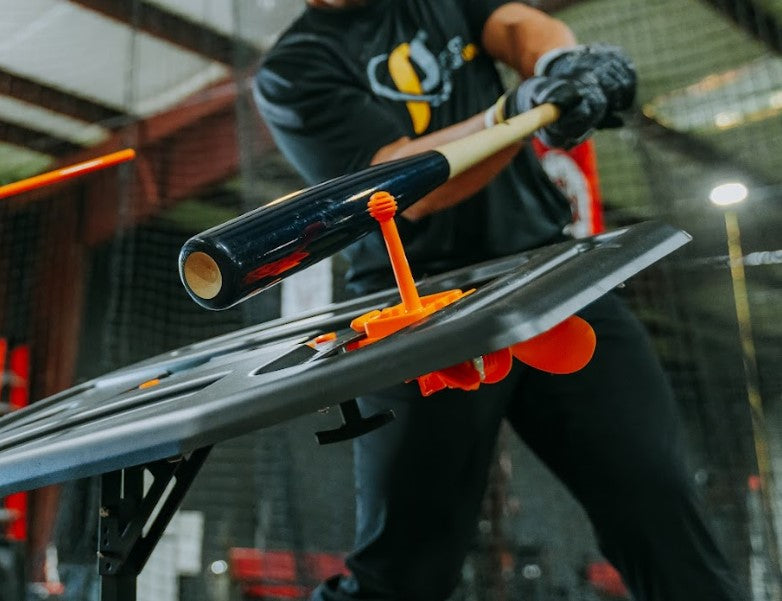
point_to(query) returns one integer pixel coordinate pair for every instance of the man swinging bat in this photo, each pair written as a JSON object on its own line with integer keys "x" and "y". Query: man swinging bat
{"x": 354, "y": 83}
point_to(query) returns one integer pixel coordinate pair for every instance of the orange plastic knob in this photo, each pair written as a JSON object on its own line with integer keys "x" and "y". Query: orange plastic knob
{"x": 382, "y": 206}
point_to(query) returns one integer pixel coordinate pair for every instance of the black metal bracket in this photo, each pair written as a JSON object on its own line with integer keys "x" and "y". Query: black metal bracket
{"x": 353, "y": 423}
{"x": 132, "y": 520}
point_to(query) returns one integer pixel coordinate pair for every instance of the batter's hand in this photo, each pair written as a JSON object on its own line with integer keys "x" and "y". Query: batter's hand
{"x": 610, "y": 65}
{"x": 582, "y": 102}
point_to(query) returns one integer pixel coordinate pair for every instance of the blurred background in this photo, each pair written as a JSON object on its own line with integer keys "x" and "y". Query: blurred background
{"x": 88, "y": 283}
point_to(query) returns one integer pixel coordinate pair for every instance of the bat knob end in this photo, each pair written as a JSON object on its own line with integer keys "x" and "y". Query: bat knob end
{"x": 202, "y": 275}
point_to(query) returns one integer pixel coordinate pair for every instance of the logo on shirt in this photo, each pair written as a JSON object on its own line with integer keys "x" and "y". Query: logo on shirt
{"x": 422, "y": 79}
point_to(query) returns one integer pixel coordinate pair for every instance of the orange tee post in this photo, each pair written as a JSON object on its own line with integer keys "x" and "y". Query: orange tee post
{"x": 65, "y": 173}
{"x": 382, "y": 207}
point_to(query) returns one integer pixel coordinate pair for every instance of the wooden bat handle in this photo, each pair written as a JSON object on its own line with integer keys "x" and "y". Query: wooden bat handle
{"x": 471, "y": 150}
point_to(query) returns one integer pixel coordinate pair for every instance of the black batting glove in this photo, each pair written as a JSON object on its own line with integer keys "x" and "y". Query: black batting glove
{"x": 609, "y": 65}
{"x": 582, "y": 102}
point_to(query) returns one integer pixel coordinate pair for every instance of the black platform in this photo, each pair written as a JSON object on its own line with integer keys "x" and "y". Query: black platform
{"x": 266, "y": 374}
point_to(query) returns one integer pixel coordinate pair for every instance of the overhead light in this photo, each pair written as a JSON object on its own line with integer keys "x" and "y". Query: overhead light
{"x": 728, "y": 194}
{"x": 219, "y": 567}
{"x": 727, "y": 119}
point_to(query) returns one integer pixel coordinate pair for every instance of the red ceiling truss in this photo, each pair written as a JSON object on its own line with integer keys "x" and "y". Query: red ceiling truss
{"x": 175, "y": 29}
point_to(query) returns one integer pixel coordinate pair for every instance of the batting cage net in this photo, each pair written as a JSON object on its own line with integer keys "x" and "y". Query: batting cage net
{"x": 90, "y": 284}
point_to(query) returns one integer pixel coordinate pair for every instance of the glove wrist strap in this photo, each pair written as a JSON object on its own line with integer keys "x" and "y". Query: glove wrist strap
{"x": 547, "y": 58}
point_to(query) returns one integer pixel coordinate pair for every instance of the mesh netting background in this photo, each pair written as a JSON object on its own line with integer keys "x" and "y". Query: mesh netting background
{"x": 708, "y": 111}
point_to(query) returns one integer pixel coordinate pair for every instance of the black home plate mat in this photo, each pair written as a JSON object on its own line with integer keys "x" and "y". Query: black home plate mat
{"x": 207, "y": 392}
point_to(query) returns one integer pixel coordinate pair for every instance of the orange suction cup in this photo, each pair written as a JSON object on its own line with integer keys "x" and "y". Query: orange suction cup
{"x": 564, "y": 349}
{"x": 469, "y": 375}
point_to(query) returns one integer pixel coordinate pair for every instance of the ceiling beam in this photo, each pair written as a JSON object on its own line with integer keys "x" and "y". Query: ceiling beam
{"x": 757, "y": 20}
{"x": 55, "y": 100}
{"x": 145, "y": 135}
{"x": 180, "y": 153}
{"x": 203, "y": 152}
{"x": 175, "y": 29}
{"x": 25, "y": 137}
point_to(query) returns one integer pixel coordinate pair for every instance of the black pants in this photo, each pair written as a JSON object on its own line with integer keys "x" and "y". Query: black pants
{"x": 609, "y": 432}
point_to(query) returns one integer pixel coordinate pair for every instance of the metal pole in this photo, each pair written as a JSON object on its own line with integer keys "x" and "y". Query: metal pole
{"x": 765, "y": 473}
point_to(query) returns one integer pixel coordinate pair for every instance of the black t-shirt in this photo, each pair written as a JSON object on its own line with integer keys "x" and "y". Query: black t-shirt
{"x": 341, "y": 84}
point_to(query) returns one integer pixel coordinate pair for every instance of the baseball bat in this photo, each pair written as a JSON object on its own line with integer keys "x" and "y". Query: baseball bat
{"x": 228, "y": 263}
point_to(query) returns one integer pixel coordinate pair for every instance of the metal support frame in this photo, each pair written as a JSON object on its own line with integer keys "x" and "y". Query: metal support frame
{"x": 132, "y": 520}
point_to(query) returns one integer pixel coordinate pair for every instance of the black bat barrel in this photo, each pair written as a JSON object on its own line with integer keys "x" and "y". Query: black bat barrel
{"x": 230, "y": 262}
